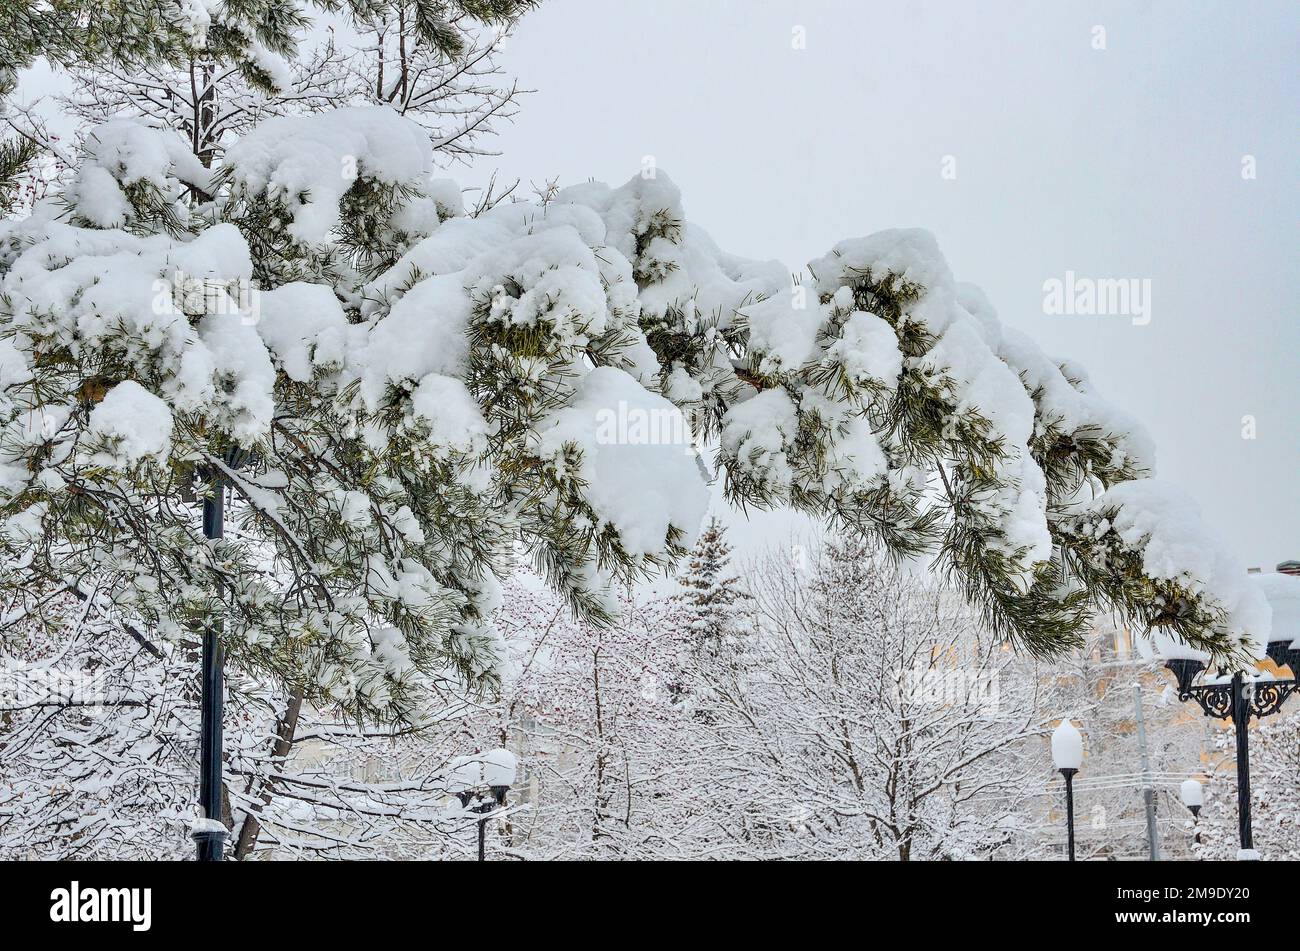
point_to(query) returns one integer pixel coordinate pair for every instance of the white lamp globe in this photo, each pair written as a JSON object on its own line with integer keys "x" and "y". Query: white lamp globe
{"x": 1192, "y": 793}
{"x": 1067, "y": 746}
{"x": 499, "y": 767}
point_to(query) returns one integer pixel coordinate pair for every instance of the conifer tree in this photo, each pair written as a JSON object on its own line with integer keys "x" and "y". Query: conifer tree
{"x": 713, "y": 600}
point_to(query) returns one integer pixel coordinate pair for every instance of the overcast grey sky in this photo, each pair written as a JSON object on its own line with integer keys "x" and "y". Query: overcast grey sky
{"x": 1123, "y": 162}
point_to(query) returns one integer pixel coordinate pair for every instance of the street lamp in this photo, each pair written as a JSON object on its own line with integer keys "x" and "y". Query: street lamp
{"x": 1193, "y": 796}
{"x": 1067, "y": 753}
{"x": 209, "y": 834}
{"x": 1239, "y": 699}
{"x": 469, "y": 776}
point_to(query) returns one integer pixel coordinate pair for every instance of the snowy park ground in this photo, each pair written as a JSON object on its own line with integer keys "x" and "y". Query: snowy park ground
{"x": 530, "y": 518}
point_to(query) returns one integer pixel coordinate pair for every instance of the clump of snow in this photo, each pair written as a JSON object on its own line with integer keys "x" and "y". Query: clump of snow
{"x": 982, "y": 385}
{"x": 867, "y": 349}
{"x": 644, "y": 203}
{"x": 783, "y": 331}
{"x": 195, "y": 18}
{"x": 759, "y": 434}
{"x": 14, "y": 370}
{"x": 391, "y": 652}
{"x": 305, "y": 327}
{"x": 446, "y": 194}
{"x": 203, "y": 826}
{"x": 911, "y": 254}
{"x": 26, "y": 526}
{"x": 309, "y": 162}
{"x": 84, "y": 282}
{"x": 1158, "y": 644}
{"x": 423, "y": 333}
{"x": 1070, "y": 404}
{"x": 354, "y": 508}
{"x": 271, "y": 63}
{"x": 448, "y": 249}
{"x": 245, "y": 374}
{"x": 98, "y": 199}
{"x": 680, "y": 268}
{"x": 723, "y": 282}
{"x": 549, "y": 276}
{"x": 855, "y": 461}
{"x": 85, "y": 288}
{"x": 219, "y": 253}
{"x": 638, "y": 461}
{"x": 454, "y": 419}
{"x": 133, "y": 423}
{"x": 124, "y": 152}
{"x": 680, "y": 387}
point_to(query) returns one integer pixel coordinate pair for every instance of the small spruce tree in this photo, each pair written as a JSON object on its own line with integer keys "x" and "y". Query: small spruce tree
{"x": 713, "y": 601}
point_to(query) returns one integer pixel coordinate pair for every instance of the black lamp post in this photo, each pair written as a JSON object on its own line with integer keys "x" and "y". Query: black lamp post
{"x": 1067, "y": 754}
{"x": 210, "y": 834}
{"x": 493, "y": 771}
{"x": 1239, "y": 700}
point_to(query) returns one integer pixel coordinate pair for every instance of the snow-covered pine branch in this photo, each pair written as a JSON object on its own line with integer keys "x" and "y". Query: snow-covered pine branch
{"x": 424, "y": 390}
